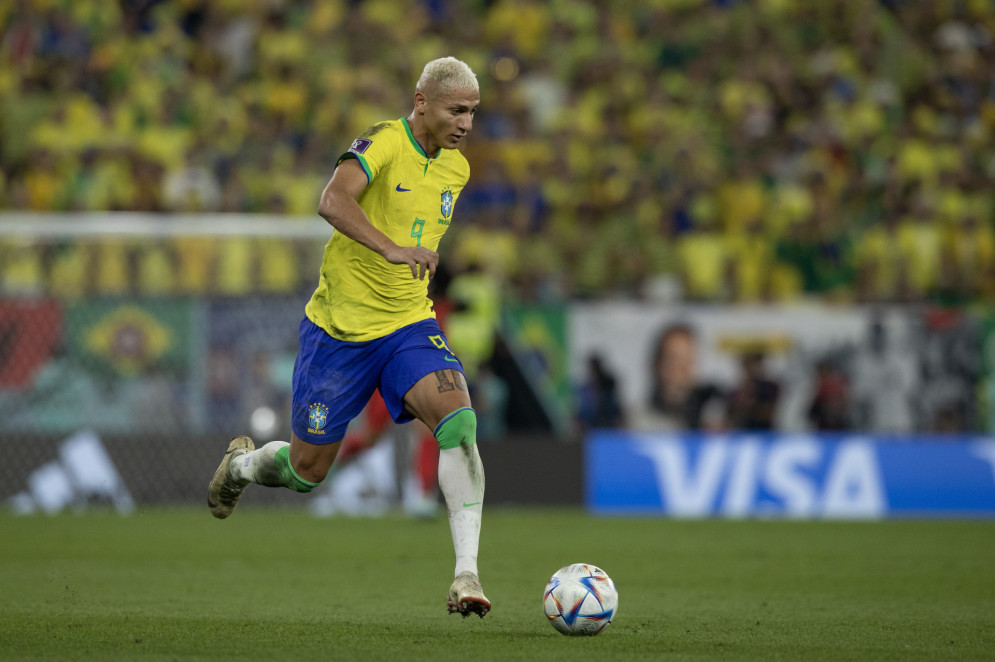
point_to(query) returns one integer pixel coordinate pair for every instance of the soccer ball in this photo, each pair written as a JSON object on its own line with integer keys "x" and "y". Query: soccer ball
{"x": 580, "y": 599}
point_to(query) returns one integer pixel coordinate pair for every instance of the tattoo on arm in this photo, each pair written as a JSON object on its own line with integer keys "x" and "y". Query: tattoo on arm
{"x": 450, "y": 384}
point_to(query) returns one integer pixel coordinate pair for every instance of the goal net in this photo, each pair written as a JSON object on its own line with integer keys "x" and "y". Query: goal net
{"x": 156, "y": 337}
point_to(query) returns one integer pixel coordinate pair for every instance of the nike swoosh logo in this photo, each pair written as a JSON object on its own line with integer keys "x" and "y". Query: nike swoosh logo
{"x": 401, "y": 189}
{"x": 451, "y": 358}
{"x": 475, "y": 503}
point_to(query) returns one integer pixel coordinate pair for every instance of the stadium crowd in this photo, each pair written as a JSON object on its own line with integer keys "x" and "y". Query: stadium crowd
{"x": 747, "y": 150}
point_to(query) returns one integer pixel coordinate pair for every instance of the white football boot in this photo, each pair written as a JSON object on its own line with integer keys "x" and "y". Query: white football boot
{"x": 224, "y": 492}
{"x": 466, "y": 597}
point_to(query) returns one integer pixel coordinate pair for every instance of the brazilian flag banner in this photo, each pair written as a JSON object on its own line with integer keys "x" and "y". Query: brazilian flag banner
{"x": 538, "y": 336}
{"x": 130, "y": 337}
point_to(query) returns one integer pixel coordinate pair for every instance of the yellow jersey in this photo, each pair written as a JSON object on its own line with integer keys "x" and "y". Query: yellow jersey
{"x": 410, "y": 198}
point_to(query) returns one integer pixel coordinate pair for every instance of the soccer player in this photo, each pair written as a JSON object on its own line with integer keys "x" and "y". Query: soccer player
{"x": 370, "y": 323}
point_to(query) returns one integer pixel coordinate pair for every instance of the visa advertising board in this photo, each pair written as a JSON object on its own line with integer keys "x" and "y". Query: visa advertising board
{"x": 743, "y": 475}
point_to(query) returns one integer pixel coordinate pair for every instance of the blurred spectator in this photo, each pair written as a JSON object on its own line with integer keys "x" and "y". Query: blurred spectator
{"x": 829, "y": 407}
{"x": 473, "y": 321}
{"x": 949, "y": 371}
{"x": 752, "y": 402}
{"x": 750, "y": 257}
{"x": 490, "y": 400}
{"x": 192, "y": 186}
{"x": 880, "y": 274}
{"x": 598, "y": 403}
{"x": 704, "y": 267}
{"x": 919, "y": 247}
{"x": 968, "y": 259}
{"x": 882, "y": 383}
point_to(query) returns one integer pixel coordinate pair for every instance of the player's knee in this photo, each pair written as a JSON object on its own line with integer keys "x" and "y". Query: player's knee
{"x": 309, "y": 473}
{"x": 459, "y": 428}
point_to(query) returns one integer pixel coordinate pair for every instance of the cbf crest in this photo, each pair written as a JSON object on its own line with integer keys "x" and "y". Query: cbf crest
{"x": 447, "y": 204}
{"x": 317, "y": 417}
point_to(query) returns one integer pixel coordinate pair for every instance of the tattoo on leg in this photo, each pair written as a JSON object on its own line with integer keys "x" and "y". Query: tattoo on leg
{"x": 444, "y": 383}
{"x": 450, "y": 384}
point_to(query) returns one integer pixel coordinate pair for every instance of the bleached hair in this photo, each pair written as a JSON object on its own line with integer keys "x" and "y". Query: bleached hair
{"x": 450, "y": 74}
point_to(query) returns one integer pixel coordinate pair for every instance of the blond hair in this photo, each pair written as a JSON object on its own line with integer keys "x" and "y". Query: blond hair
{"x": 450, "y": 74}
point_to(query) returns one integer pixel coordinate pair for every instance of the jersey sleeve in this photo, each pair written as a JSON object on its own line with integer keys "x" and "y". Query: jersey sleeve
{"x": 373, "y": 149}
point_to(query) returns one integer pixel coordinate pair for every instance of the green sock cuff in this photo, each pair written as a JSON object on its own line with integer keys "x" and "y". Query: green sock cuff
{"x": 457, "y": 429}
{"x": 290, "y": 477}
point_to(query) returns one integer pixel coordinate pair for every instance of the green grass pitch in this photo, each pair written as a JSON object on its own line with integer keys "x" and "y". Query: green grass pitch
{"x": 278, "y": 584}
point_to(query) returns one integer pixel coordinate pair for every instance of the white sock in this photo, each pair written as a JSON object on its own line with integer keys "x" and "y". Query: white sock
{"x": 461, "y": 478}
{"x": 259, "y": 466}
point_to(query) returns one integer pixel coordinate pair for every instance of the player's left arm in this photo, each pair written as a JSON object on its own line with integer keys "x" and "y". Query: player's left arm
{"x": 340, "y": 207}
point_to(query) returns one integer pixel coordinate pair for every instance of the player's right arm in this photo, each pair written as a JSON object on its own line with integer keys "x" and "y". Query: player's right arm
{"x": 340, "y": 207}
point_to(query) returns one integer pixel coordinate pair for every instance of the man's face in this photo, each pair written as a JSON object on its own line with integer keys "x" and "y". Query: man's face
{"x": 448, "y": 115}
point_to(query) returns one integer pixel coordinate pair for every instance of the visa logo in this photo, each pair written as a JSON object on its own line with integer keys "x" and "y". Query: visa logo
{"x": 793, "y": 476}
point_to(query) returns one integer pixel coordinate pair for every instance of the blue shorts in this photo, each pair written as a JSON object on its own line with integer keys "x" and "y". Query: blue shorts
{"x": 334, "y": 379}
